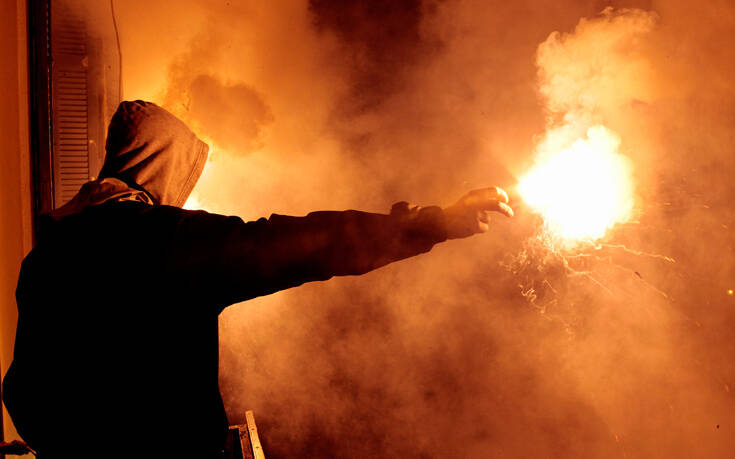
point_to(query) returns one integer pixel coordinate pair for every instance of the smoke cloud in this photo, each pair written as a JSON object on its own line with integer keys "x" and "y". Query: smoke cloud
{"x": 491, "y": 346}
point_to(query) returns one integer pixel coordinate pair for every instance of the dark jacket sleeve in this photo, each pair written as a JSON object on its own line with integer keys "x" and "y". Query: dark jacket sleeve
{"x": 239, "y": 260}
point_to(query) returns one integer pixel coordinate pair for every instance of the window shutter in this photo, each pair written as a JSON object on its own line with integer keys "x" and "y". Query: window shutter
{"x": 84, "y": 92}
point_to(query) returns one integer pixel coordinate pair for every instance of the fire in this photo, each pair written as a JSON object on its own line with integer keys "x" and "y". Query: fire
{"x": 582, "y": 190}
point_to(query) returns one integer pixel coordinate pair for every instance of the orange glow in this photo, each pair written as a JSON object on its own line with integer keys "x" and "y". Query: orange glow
{"x": 196, "y": 200}
{"x": 731, "y": 292}
{"x": 582, "y": 190}
{"x": 193, "y": 203}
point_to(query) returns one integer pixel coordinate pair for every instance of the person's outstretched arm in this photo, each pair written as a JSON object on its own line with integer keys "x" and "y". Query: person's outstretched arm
{"x": 244, "y": 260}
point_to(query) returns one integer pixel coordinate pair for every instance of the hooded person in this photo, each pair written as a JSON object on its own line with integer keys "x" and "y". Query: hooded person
{"x": 117, "y": 343}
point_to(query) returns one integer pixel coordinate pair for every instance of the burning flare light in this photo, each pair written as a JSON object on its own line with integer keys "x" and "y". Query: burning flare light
{"x": 583, "y": 190}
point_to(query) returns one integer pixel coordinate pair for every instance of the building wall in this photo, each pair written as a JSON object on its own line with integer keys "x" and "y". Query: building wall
{"x": 15, "y": 196}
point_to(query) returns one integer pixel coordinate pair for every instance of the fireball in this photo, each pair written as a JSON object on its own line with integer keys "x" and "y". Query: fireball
{"x": 583, "y": 190}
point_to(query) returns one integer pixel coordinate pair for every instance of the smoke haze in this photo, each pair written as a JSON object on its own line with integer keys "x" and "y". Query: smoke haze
{"x": 491, "y": 346}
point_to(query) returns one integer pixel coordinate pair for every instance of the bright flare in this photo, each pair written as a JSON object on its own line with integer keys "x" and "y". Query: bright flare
{"x": 583, "y": 190}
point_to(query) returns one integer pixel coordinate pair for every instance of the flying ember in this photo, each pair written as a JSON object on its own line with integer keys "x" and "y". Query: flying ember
{"x": 583, "y": 190}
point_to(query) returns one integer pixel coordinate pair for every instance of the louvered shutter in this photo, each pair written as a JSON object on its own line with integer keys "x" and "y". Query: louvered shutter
{"x": 83, "y": 95}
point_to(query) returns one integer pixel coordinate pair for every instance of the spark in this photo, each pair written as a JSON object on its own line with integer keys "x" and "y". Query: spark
{"x": 539, "y": 264}
{"x": 638, "y": 252}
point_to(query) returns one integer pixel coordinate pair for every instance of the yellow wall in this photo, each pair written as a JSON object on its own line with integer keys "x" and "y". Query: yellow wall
{"x": 15, "y": 199}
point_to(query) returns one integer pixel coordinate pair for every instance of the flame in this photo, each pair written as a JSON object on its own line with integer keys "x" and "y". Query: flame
{"x": 583, "y": 190}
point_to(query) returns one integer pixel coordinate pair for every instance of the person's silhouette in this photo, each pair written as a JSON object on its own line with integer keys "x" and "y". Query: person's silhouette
{"x": 117, "y": 343}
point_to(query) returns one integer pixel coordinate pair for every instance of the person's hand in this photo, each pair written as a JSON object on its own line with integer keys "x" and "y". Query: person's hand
{"x": 471, "y": 214}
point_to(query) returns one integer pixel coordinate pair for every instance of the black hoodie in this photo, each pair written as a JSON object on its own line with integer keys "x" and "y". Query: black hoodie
{"x": 117, "y": 346}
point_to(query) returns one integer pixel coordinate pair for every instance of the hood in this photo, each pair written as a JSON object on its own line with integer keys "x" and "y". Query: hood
{"x": 152, "y": 156}
{"x": 150, "y": 149}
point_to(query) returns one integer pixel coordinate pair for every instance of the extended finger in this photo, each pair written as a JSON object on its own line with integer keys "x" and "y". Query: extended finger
{"x": 505, "y": 209}
{"x": 493, "y": 192}
{"x": 495, "y": 206}
{"x": 502, "y": 194}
